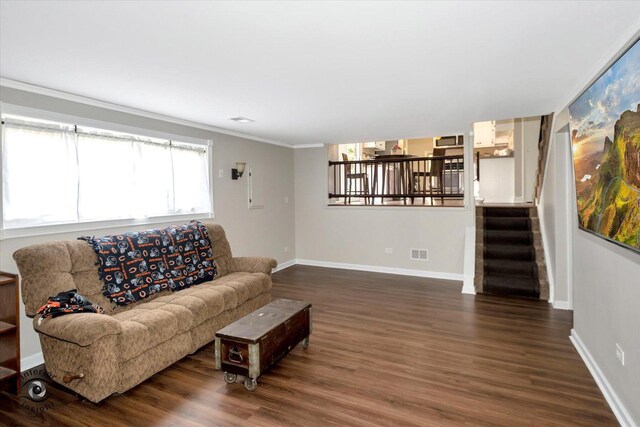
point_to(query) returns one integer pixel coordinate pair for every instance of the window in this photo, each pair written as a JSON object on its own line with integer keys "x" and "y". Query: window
{"x": 353, "y": 151}
{"x": 60, "y": 173}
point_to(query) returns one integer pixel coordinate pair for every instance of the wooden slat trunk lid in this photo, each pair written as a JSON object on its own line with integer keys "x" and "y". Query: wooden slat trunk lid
{"x": 253, "y": 327}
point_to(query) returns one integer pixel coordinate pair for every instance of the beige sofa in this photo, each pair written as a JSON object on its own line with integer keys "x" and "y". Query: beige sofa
{"x": 118, "y": 350}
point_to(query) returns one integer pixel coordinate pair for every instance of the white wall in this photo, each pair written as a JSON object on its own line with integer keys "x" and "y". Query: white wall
{"x": 546, "y": 213}
{"x": 525, "y": 145}
{"x": 264, "y": 232}
{"x": 530, "y": 137}
{"x": 512, "y": 179}
{"x": 496, "y": 180}
{"x": 565, "y": 214}
{"x": 557, "y": 212}
{"x": 360, "y": 235}
{"x": 606, "y": 312}
{"x": 600, "y": 278}
{"x": 420, "y": 146}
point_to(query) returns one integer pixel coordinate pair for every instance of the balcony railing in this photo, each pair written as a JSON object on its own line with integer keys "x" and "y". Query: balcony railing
{"x": 398, "y": 180}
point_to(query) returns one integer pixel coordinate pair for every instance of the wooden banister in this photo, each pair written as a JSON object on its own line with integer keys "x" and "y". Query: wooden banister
{"x": 407, "y": 179}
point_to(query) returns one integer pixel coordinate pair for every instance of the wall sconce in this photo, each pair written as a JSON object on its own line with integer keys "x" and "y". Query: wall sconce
{"x": 238, "y": 171}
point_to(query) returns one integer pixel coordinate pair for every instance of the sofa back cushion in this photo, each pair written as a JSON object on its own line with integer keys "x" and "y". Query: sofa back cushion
{"x": 50, "y": 268}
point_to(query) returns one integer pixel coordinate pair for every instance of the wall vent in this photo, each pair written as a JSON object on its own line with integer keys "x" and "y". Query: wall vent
{"x": 420, "y": 254}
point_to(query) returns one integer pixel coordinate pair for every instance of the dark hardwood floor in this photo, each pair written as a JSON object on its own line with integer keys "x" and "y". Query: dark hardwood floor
{"x": 385, "y": 350}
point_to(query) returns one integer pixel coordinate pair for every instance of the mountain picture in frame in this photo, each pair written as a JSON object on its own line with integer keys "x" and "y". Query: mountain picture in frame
{"x": 605, "y": 141}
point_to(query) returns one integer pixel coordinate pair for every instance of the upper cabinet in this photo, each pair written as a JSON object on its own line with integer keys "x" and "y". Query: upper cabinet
{"x": 484, "y": 134}
{"x": 378, "y": 145}
{"x": 493, "y": 133}
{"x": 504, "y": 132}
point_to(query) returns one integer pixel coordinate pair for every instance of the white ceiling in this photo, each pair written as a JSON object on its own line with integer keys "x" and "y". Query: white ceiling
{"x": 317, "y": 72}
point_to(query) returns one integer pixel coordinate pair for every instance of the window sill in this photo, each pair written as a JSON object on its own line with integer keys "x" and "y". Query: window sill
{"x": 92, "y": 226}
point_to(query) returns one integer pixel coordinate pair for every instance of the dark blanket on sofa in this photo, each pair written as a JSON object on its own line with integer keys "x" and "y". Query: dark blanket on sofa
{"x": 67, "y": 303}
{"x": 136, "y": 265}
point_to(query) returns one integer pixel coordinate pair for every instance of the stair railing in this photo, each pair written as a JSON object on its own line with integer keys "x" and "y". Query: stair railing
{"x": 414, "y": 180}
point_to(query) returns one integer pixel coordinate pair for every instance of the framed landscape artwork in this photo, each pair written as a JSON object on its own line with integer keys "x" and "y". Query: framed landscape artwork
{"x": 605, "y": 140}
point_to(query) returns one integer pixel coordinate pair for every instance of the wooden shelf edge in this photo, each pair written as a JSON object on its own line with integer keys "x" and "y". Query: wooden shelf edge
{"x": 6, "y": 373}
{"x": 8, "y": 278}
{"x": 6, "y": 327}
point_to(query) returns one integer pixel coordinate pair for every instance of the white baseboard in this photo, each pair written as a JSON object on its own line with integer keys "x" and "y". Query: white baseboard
{"x": 621, "y": 413}
{"x": 378, "y": 269}
{"x": 284, "y": 265}
{"x": 562, "y": 305}
{"x": 29, "y": 362}
{"x": 468, "y": 287}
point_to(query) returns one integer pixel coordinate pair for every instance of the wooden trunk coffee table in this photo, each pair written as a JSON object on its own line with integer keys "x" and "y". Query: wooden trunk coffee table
{"x": 254, "y": 343}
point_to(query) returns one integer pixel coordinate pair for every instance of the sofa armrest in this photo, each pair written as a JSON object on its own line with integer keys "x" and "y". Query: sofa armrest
{"x": 252, "y": 264}
{"x": 82, "y": 329}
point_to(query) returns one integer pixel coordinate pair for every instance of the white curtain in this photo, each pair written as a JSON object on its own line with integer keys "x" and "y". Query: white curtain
{"x": 39, "y": 174}
{"x": 107, "y": 179}
{"x": 60, "y": 173}
{"x": 190, "y": 179}
{"x": 155, "y": 190}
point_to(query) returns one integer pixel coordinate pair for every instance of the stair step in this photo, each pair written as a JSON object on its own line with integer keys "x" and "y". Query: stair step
{"x": 509, "y": 267}
{"x": 509, "y": 212}
{"x": 515, "y": 286}
{"x": 507, "y": 223}
{"x": 514, "y": 252}
{"x": 508, "y": 237}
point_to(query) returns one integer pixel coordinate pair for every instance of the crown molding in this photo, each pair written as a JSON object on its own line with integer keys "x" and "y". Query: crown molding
{"x": 308, "y": 146}
{"x": 40, "y": 90}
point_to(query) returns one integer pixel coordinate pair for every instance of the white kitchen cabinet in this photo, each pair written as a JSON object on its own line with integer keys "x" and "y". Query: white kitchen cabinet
{"x": 378, "y": 145}
{"x": 503, "y": 132}
{"x": 484, "y": 134}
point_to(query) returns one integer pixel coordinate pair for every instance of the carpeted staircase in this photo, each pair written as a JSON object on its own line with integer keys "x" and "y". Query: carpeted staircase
{"x": 509, "y": 257}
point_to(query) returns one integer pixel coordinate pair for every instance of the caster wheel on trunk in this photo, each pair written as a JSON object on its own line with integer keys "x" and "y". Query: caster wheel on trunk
{"x": 251, "y": 383}
{"x": 230, "y": 378}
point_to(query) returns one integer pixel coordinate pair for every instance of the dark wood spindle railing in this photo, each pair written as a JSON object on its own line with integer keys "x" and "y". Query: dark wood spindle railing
{"x": 407, "y": 180}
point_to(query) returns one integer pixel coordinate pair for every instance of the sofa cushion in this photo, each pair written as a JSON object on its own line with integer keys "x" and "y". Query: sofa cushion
{"x": 211, "y": 297}
{"x": 245, "y": 285}
{"x": 183, "y": 315}
{"x": 148, "y": 324}
{"x": 85, "y": 273}
{"x": 229, "y": 296}
{"x": 143, "y": 329}
{"x": 252, "y": 264}
{"x": 45, "y": 270}
{"x": 82, "y": 329}
{"x": 220, "y": 246}
{"x": 196, "y": 305}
